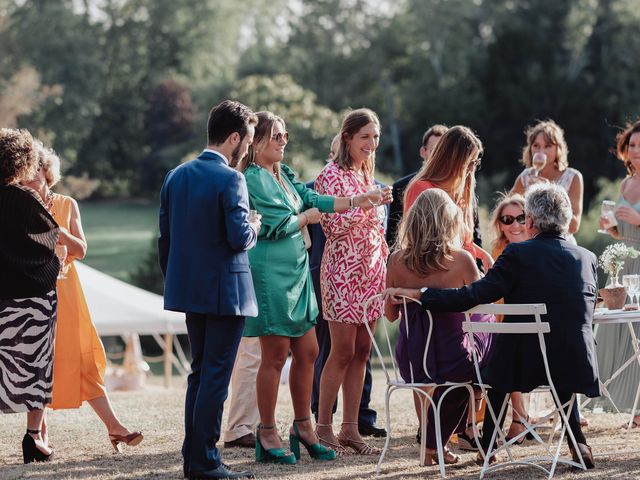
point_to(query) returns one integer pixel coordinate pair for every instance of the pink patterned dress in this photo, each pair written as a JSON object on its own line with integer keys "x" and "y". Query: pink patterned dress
{"x": 354, "y": 264}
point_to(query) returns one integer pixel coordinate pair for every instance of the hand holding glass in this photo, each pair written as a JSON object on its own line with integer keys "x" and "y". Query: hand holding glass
{"x": 607, "y": 215}
{"x": 61, "y": 253}
{"x": 374, "y": 195}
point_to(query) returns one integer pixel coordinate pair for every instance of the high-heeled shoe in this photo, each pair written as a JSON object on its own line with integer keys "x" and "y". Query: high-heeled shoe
{"x": 275, "y": 455}
{"x": 431, "y": 457}
{"x": 130, "y": 440}
{"x": 316, "y": 450}
{"x": 30, "y": 452}
{"x": 360, "y": 447}
{"x": 528, "y": 436}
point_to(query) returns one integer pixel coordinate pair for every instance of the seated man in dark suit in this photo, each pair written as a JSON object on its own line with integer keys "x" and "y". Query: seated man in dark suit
{"x": 545, "y": 269}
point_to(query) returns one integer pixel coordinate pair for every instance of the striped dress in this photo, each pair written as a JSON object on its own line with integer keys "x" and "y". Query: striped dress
{"x": 28, "y": 271}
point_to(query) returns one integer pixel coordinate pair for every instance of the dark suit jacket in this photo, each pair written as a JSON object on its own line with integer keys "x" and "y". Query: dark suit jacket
{"x": 397, "y": 207}
{"x": 204, "y": 238}
{"x": 546, "y": 269}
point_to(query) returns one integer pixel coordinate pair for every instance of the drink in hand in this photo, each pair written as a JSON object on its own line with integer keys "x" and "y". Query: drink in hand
{"x": 607, "y": 215}
{"x": 538, "y": 162}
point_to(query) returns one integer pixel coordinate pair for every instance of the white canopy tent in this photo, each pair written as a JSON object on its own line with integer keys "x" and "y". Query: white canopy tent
{"x": 118, "y": 308}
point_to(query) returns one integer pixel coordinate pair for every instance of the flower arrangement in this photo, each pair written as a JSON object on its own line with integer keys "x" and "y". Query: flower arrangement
{"x": 612, "y": 260}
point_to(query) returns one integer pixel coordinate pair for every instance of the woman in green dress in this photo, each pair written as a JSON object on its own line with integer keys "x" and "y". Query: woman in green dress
{"x": 286, "y": 300}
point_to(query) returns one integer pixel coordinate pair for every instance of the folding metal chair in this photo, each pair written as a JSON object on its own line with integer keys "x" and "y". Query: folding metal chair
{"x": 538, "y": 328}
{"x": 395, "y": 382}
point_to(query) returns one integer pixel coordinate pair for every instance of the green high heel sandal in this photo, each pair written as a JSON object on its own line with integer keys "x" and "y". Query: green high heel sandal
{"x": 274, "y": 455}
{"x": 316, "y": 450}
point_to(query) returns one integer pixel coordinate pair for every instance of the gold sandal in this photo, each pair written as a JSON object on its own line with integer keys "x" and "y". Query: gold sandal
{"x": 337, "y": 447}
{"x": 360, "y": 447}
{"x": 431, "y": 457}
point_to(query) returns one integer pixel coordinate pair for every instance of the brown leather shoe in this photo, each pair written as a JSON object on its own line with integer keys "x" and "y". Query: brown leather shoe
{"x": 587, "y": 455}
{"x": 246, "y": 441}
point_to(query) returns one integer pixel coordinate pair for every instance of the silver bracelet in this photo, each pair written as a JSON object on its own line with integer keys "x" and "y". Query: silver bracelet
{"x": 351, "y": 205}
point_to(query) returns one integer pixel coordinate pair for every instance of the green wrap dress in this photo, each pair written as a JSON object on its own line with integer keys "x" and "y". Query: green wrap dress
{"x": 279, "y": 262}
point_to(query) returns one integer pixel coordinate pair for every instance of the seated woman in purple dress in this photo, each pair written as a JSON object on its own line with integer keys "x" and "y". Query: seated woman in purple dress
{"x": 431, "y": 255}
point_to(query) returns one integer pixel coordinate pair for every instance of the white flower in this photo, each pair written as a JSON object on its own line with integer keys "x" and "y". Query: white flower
{"x": 612, "y": 258}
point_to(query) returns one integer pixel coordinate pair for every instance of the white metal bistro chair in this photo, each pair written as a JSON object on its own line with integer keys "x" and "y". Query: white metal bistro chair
{"x": 396, "y": 382}
{"x": 538, "y": 328}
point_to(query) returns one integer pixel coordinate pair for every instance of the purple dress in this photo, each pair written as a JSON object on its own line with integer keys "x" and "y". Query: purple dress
{"x": 449, "y": 359}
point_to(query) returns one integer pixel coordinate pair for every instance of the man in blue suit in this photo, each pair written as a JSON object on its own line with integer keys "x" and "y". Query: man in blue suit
{"x": 205, "y": 233}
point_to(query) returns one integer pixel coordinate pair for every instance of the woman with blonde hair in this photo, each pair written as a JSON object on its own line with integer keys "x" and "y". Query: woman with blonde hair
{"x": 545, "y": 157}
{"x": 353, "y": 270}
{"x": 451, "y": 167}
{"x": 284, "y": 290}
{"x": 430, "y": 255}
{"x": 507, "y": 223}
{"x": 79, "y": 360}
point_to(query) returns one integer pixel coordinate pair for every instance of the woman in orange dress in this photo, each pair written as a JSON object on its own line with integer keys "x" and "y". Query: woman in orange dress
{"x": 452, "y": 167}
{"x": 79, "y": 359}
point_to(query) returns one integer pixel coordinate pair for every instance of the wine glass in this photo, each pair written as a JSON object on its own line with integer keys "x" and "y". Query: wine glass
{"x": 538, "y": 162}
{"x": 377, "y": 194}
{"x": 607, "y": 214}
{"x": 61, "y": 253}
{"x": 253, "y": 216}
{"x": 632, "y": 283}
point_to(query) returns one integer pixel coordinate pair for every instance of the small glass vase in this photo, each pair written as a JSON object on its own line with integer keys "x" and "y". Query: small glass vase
{"x": 614, "y": 278}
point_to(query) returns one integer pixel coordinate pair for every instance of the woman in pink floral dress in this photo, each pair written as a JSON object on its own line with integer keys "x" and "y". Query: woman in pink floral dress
{"x": 353, "y": 270}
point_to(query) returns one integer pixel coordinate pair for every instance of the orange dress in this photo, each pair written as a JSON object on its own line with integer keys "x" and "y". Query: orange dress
{"x": 79, "y": 360}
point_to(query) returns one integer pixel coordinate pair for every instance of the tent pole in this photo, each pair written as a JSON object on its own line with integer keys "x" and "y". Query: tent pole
{"x": 168, "y": 354}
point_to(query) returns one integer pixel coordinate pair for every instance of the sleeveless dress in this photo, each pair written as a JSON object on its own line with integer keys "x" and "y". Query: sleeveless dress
{"x": 614, "y": 341}
{"x": 79, "y": 361}
{"x": 565, "y": 181}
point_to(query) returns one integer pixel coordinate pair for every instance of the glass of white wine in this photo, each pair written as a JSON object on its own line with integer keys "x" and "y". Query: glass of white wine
{"x": 61, "y": 253}
{"x": 607, "y": 214}
{"x": 538, "y": 161}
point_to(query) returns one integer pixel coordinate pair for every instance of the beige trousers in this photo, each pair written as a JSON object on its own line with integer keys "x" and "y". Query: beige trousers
{"x": 243, "y": 404}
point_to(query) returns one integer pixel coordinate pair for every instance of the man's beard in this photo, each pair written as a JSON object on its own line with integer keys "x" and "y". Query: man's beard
{"x": 235, "y": 156}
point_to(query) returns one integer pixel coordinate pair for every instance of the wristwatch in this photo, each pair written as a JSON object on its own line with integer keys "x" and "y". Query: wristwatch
{"x": 423, "y": 289}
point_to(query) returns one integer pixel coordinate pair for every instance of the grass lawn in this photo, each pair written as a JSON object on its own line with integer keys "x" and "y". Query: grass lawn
{"x": 83, "y": 451}
{"x": 119, "y": 234}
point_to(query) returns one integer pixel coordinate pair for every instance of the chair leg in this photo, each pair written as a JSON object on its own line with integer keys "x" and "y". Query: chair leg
{"x": 387, "y": 398}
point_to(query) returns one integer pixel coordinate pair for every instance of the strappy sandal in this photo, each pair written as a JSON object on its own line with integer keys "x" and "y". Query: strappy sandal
{"x": 431, "y": 457}
{"x": 337, "y": 447}
{"x": 528, "y": 436}
{"x": 360, "y": 447}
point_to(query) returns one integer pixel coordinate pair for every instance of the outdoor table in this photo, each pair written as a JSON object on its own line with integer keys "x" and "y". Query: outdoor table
{"x": 614, "y": 317}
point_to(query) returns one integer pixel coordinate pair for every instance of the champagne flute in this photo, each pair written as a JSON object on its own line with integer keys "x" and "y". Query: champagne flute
{"x": 607, "y": 214}
{"x": 634, "y": 288}
{"x": 538, "y": 162}
{"x": 61, "y": 253}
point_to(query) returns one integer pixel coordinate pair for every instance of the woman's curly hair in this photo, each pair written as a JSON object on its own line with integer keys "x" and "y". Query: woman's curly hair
{"x": 18, "y": 156}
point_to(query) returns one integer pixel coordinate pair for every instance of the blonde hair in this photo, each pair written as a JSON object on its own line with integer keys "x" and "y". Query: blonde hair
{"x": 50, "y": 163}
{"x": 448, "y": 167}
{"x": 429, "y": 232}
{"x": 504, "y": 200}
{"x": 351, "y": 124}
{"x": 261, "y": 137}
{"x": 553, "y": 134}
{"x": 622, "y": 145}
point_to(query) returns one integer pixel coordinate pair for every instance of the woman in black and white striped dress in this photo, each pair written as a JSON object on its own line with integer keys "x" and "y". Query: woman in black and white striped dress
{"x": 28, "y": 272}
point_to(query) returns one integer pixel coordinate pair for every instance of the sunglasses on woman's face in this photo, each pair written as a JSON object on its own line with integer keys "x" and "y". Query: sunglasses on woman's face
{"x": 509, "y": 219}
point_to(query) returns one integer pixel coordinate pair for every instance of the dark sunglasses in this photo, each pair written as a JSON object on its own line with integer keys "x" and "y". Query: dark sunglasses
{"x": 509, "y": 219}
{"x": 278, "y": 137}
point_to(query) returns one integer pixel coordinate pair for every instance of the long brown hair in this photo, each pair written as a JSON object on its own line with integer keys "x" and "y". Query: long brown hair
{"x": 553, "y": 134}
{"x": 449, "y": 167}
{"x": 622, "y": 145}
{"x": 351, "y": 124}
{"x": 429, "y": 232}
{"x": 500, "y": 240}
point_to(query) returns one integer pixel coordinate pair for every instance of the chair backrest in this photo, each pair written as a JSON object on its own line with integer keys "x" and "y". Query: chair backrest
{"x": 383, "y": 326}
{"x": 537, "y": 327}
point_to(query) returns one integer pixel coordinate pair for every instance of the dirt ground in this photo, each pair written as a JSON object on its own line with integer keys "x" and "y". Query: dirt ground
{"x": 82, "y": 449}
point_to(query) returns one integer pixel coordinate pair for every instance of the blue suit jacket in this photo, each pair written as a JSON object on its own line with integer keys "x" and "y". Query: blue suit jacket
{"x": 204, "y": 238}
